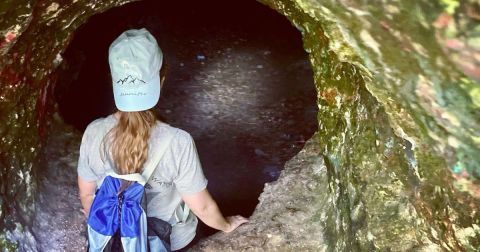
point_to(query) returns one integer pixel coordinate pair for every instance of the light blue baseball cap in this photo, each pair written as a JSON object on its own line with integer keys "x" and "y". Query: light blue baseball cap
{"x": 135, "y": 60}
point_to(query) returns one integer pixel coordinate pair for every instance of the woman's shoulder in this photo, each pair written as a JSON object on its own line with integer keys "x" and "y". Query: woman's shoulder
{"x": 180, "y": 136}
{"x": 97, "y": 125}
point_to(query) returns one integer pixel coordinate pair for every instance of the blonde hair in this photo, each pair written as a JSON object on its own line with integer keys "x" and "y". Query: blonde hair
{"x": 127, "y": 141}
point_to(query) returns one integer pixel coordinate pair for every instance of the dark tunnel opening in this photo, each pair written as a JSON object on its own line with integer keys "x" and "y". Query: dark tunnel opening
{"x": 239, "y": 82}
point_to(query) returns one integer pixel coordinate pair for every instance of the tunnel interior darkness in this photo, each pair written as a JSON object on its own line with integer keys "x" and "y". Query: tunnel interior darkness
{"x": 238, "y": 81}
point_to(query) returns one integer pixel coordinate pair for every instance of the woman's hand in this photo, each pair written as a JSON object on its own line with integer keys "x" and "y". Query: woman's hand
{"x": 234, "y": 222}
{"x": 84, "y": 213}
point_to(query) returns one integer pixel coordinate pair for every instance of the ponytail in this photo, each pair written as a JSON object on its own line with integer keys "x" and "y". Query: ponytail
{"x": 127, "y": 141}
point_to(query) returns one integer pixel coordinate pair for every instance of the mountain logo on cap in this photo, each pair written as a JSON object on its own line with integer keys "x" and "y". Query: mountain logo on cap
{"x": 130, "y": 82}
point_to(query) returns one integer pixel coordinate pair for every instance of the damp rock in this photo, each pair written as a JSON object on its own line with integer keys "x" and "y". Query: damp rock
{"x": 379, "y": 81}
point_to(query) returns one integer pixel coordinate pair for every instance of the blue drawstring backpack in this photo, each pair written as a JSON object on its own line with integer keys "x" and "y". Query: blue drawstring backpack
{"x": 118, "y": 219}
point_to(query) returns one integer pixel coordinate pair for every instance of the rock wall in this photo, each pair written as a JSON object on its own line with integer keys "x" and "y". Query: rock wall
{"x": 395, "y": 116}
{"x": 32, "y": 37}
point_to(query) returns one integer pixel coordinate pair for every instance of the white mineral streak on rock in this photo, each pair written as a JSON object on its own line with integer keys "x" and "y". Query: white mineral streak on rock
{"x": 343, "y": 47}
{"x": 466, "y": 233}
{"x": 452, "y": 141}
{"x": 58, "y": 59}
{"x": 451, "y": 118}
{"x": 348, "y": 120}
{"x": 16, "y": 29}
{"x": 370, "y": 236}
{"x": 338, "y": 101}
{"x": 82, "y": 12}
{"x": 403, "y": 135}
{"x": 20, "y": 174}
{"x": 53, "y": 7}
{"x": 52, "y": 12}
{"x": 420, "y": 49}
{"x": 475, "y": 96}
{"x": 358, "y": 12}
{"x": 370, "y": 42}
{"x": 392, "y": 9}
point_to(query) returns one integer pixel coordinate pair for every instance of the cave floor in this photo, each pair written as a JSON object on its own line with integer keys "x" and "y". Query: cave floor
{"x": 58, "y": 223}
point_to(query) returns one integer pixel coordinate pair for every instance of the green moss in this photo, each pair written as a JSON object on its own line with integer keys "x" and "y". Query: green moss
{"x": 7, "y": 245}
{"x": 387, "y": 175}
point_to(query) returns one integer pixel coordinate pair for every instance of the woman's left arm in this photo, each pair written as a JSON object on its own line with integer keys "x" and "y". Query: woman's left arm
{"x": 86, "y": 192}
{"x": 204, "y": 206}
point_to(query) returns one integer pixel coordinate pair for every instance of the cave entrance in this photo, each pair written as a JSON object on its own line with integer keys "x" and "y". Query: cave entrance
{"x": 239, "y": 81}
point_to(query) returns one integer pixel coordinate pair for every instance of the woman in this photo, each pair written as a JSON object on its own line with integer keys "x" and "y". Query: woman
{"x": 124, "y": 142}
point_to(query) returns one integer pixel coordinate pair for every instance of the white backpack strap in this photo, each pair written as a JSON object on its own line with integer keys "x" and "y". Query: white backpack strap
{"x": 158, "y": 154}
{"x": 130, "y": 177}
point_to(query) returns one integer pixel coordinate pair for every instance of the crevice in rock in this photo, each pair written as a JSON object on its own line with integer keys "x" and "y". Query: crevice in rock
{"x": 243, "y": 87}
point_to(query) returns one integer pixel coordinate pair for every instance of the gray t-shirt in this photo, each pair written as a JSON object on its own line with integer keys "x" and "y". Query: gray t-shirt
{"x": 179, "y": 172}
